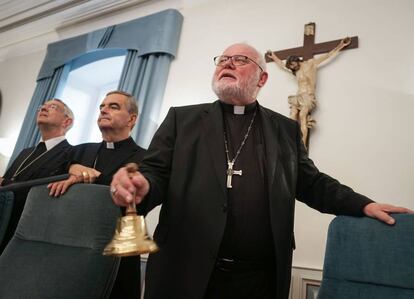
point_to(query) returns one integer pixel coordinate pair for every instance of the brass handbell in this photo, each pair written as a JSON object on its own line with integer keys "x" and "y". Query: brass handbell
{"x": 131, "y": 236}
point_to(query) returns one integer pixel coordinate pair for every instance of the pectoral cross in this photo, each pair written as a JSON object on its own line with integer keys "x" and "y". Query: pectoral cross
{"x": 231, "y": 172}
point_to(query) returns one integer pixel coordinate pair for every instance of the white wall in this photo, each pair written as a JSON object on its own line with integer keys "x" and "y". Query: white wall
{"x": 17, "y": 84}
{"x": 365, "y": 97}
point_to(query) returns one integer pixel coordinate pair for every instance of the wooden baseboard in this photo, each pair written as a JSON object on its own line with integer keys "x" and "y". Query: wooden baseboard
{"x": 305, "y": 283}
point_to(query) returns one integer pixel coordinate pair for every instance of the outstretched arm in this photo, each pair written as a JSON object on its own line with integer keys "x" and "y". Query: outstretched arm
{"x": 382, "y": 211}
{"x": 276, "y": 59}
{"x": 343, "y": 43}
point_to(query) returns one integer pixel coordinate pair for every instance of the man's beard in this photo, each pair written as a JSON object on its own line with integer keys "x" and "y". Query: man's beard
{"x": 244, "y": 90}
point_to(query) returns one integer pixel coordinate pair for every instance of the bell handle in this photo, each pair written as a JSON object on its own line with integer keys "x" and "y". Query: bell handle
{"x": 131, "y": 209}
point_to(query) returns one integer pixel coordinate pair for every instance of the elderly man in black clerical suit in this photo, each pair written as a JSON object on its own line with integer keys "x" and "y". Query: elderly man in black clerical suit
{"x": 97, "y": 162}
{"x": 50, "y": 157}
{"x": 227, "y": 175}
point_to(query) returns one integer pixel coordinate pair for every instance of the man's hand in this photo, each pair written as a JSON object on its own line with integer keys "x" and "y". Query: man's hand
{"x": 1, "y": 180}
{"x": 123, "y": 188}
{"x": 382, "y": 211}
{"x": 270, "y": 54}
{"x": 88, "y": 174}
{"x": 77, "y": 174}
{"x": 346, "y": 41}
{"x": 60, "y": 187}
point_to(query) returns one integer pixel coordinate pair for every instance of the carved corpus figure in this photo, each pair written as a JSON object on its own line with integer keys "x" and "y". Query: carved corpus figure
{"x": 302, "y": 104}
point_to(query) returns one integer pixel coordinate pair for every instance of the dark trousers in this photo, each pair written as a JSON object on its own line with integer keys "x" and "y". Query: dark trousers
{"x": 128, "y": 280}
{"x": 18, "y": 205}
{"x": 240, "y": 284}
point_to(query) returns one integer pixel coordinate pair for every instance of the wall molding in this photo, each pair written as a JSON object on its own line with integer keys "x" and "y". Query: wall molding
{"x": 27, "y": 16}
{"x": 28, "y": 30}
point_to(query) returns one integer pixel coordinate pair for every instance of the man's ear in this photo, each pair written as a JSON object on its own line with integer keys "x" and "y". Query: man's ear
{"x": 67, "y": 122}
{"x": 132, "y": 120}
{"x": 263, "y": 79}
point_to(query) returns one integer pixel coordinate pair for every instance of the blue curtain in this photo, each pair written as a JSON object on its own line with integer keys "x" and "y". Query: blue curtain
{"x": 145, "y": 77}
{"x": 30, "y": 134}
{"x": 156, "y": 33}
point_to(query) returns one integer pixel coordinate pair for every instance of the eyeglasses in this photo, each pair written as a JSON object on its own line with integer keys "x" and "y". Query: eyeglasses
{"x": 49, "y": 106}
{"x": 237, "y": 60}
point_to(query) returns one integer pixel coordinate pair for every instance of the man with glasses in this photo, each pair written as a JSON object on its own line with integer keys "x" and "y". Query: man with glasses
{"x": 97, "y": 162}
{"x": 227, "y": 175}
{"x": 50, "y": 157}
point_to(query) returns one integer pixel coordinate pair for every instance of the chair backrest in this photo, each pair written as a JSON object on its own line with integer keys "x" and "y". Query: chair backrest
{"x": 56, "y": 251}
{"x": 367, "y": 259}
{"x": 6, "y": 204}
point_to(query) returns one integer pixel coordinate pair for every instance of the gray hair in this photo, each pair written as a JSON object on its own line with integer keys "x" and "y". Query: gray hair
{"x": 261, "y": 61}
{"x": 130, "y": 99}
{"x": 68, "y": 112}
{"x": 259, "y": 57}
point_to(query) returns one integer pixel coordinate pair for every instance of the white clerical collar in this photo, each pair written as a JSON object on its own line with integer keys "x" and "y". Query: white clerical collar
{"x": 51, "y": 143}
{"x": 109, "y": 145}
{"x": 117, "y": 144}
{"x": 238, "y": 109}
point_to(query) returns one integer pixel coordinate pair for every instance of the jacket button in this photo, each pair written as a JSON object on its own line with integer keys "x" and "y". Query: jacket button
{"x": 224, "y": 207}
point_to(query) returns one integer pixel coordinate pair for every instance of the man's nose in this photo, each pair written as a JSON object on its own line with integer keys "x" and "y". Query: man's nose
{"x": 229, "y": 64}
{"x": 103, "y": 110}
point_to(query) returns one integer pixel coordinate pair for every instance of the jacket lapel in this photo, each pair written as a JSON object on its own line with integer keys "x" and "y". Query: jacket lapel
{"x": 17, "y": 162}
{"x": 51, "y": 162}
{"x": 271, "y": 137}
{"x": 213, "y": 130}
{"x": 54, "y": 157}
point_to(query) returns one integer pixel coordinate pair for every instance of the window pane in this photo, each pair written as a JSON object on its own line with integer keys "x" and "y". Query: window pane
{"x": 85, "y": 89}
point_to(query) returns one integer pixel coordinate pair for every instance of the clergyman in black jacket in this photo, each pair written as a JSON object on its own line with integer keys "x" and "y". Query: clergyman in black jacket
{"x": 97, "y": 162}
{"x": 50, "y": 157}
{"x": 227, "y": 175}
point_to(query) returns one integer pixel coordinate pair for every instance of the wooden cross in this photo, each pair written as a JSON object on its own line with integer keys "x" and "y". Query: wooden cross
{"x": 309, "y": 48}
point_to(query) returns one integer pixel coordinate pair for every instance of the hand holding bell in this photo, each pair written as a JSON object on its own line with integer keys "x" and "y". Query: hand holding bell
{"x": 131, "y": 236}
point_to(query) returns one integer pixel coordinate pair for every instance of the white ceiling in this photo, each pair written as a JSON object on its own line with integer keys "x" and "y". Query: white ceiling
{"x": 15, "y": 13}
{"x": 21, "y": 20}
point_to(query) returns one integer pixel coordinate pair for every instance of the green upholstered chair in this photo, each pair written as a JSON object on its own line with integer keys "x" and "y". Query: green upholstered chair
{"x": 367, "y": 259}
{"x": 56, "y": 251}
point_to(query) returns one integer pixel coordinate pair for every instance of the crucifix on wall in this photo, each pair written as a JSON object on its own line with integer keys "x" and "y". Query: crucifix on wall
{"x": 300, "y": 61}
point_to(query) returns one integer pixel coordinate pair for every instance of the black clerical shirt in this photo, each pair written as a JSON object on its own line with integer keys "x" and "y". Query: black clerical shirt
{"x": 110, "y": 154}
{"x": 107, "y": 153}
{"x": 248, "y": 234}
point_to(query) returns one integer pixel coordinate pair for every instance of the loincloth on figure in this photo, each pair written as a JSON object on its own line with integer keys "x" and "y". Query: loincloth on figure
{"x": 303, "y": 101}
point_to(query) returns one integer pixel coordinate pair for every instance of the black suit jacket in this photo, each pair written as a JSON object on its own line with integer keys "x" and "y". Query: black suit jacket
{"x": 127, "y": 283}
{"x": 86, "y": 155}
{"x": 53, "y": 162}
{"x": 186, "y": 168}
